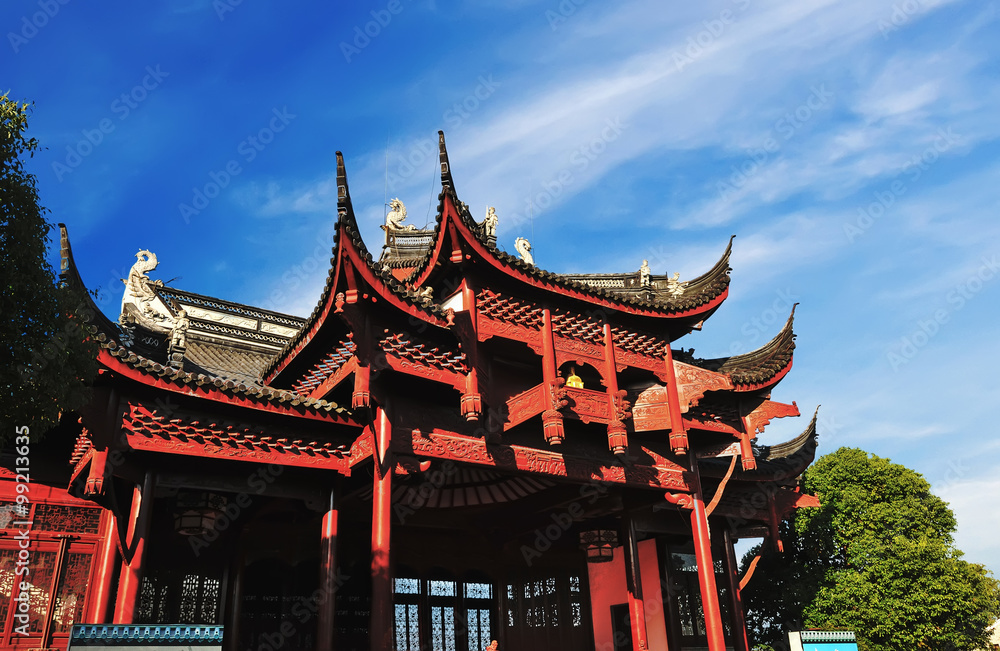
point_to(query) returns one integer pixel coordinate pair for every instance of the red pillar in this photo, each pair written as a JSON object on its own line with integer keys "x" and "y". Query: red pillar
{"x": 552, "y": 420}
{"x": 633, "y": 580}
{"x": 380, "y": 630}
{"x": 130, "y": 578}
{"x": 735, "y": 601}
{"x": 706, "y": 568}
{"x": 100, "y": 595}
{"x": 328, "y": 576}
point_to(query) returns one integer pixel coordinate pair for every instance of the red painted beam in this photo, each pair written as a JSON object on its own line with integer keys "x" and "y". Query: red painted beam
{"x": 440, "y": 444}
{"x": 330, "y": 383}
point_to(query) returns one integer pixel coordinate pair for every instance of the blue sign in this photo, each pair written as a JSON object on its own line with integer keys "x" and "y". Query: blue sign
{"x": 829, "y": 646}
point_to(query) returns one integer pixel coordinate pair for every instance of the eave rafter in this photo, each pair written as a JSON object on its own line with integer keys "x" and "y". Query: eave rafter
{"x": 173, "y": 432}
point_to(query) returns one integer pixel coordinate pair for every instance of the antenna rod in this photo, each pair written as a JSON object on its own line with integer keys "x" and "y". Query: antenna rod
{"x": 385, "y": 191}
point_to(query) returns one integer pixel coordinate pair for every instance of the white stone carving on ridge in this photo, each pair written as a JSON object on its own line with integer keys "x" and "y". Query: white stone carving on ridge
{"x": 140, "y": 303}
{"x": 490, "y": 222}
{"x": 523, "y": 248}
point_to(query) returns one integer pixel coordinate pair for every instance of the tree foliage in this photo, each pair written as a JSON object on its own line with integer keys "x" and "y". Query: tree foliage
{"x": 45, "y": 356}
{"x": 877, "y": 558}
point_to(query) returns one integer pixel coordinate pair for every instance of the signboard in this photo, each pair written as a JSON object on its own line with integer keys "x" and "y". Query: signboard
{"x": 829, "y": 646}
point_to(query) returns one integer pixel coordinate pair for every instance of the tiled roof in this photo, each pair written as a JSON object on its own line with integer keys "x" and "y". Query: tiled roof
{"x": 235, "y": 363}
{"x": 697, "y": 292}
{"x": 225, "y": 361}
{"x": 759, "y": 367}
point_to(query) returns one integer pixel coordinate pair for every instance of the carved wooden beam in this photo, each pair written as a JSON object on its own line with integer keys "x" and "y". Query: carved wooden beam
{"x": 447, "y": 445}
{"x": 552, "y": 419}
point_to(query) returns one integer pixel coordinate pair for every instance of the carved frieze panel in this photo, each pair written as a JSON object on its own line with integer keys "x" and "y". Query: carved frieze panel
{"x": 443, "y": 445}
{"x": 588, "y": 405}
{"x": 651, "y": 410}
{"x": 694, "y": 382}
{"x": 275, "y": 329}
{"x": 525, "y": 405}
{"x": 506, "y": 330}
{"x": 219, "y": 317}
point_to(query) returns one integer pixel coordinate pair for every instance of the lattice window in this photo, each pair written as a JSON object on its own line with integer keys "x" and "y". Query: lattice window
{"x": 147, "y": 598}
{"x": 189, "y": 599}
{"x": 11, "y": 512}
{"x": 478, "y": 615}
{"x": 38, "y": 581}
{"x": 71, "y": 519}
{"x": 7, "y": 578}
{"x": 71, "y": 593}
{"x": 210, "y": 601}
{"x": 443, "y": 634}
{"x": 407, "y": 627}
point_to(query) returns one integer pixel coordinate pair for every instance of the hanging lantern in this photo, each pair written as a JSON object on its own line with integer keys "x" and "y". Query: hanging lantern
{"x": 599, "y": 544}
{"x": 197, "y": 513}
{"x": 574, "y": 380}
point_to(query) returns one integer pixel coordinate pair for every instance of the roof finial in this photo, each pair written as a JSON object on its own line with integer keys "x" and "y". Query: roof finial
{"x": 343, "y": 193}
{"x": 523, "y": 248}
{"x": 446, "y": 180}
{"x": 489, "y": 226}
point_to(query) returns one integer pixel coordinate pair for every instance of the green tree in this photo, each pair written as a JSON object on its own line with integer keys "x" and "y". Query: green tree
{"x": 45, "y": 356}
{"x": 878, "y": 558}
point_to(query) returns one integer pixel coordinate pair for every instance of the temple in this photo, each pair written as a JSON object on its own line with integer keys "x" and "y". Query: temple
{"x": 456, "y": 450}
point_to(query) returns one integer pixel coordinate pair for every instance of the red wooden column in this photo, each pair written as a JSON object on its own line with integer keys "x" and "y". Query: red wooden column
{"x": 740, "y": 641}
{"x": 130, "y": 578}
{"x": 552, "y": 419}
{"x": 107, "y": 554}
{"x": 678, "y": 433}
{"x": 706, "y": 567}
{"x": 617, "y": 434}
{"x": 380, "y": 630}
{"x": 633, "y": 580}
{"x": 328, "y": 576}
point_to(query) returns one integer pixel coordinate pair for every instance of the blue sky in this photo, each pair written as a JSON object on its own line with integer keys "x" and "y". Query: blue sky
{"x": 850, "y": 146}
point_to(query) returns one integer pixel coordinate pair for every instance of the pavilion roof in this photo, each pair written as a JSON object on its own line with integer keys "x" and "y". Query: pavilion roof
{"x": 222, "y": 370}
